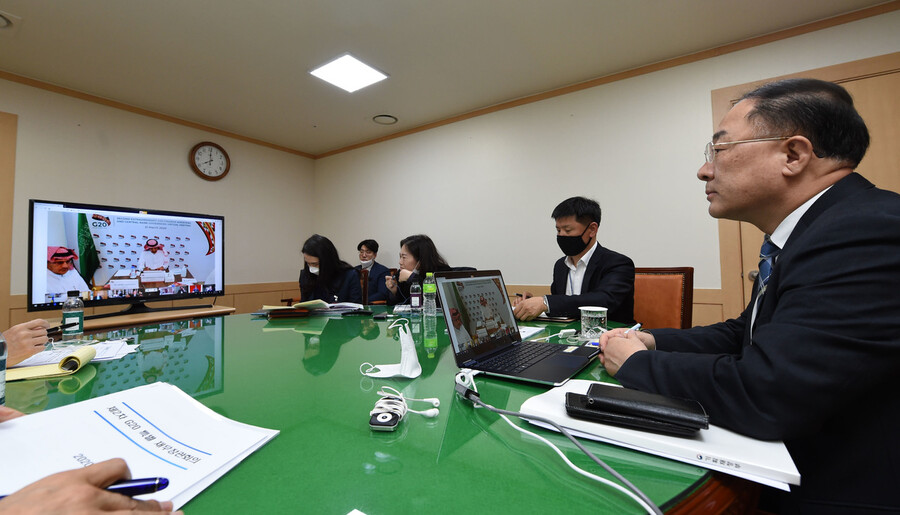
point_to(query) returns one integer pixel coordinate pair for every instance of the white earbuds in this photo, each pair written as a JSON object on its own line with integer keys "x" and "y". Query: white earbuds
{"x": 434, "y": 402}
{"x": 388, "y": 392}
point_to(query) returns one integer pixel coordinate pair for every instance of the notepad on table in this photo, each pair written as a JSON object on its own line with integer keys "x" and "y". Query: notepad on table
{"x": 70, "y": 363}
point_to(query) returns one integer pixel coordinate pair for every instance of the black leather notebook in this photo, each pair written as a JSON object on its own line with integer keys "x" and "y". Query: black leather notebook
{"x": 638, "y": 410}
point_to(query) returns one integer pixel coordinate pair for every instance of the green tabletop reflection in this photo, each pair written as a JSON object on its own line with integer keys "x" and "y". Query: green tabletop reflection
{"x": 301, "y": 376}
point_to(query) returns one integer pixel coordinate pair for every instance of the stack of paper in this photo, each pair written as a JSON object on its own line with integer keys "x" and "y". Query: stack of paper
{"x": 63, "y": 361}
{"x": 715, "y": 448}
{"x": 159, "y": 430}
{"x": 311, "y": 307}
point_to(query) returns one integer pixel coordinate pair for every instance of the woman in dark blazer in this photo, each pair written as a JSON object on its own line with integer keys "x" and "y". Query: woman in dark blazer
{"x": 325, "y": 276}
{"x": 418, "y": 256}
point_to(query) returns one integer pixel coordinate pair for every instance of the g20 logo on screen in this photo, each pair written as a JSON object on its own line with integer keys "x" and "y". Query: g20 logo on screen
{"x": 100, "y": 221}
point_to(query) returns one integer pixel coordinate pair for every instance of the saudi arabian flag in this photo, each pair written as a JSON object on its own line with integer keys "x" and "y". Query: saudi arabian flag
{"x": 88, "y": 262}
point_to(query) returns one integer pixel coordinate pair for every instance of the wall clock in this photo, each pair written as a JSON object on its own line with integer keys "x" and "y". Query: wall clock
{"x": 209, "y": 161}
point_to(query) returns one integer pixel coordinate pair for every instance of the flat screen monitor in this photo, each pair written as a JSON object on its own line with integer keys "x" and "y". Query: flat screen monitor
{"x": 120, "y": 255}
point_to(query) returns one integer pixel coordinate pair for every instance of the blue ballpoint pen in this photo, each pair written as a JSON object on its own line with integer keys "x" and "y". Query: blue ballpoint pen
{"x": 133, "y": 487}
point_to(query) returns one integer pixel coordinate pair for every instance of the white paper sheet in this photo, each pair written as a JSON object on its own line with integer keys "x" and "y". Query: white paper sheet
{"x": 768, "y": 463}
{"x": 106, "y": 351}
{"x": 159, "y": 430}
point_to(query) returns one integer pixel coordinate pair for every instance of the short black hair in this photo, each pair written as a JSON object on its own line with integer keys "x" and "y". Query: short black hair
{"x": 370, "y": 244}
{"x": 584, "y": 210}
{"x": 819, "y": 110}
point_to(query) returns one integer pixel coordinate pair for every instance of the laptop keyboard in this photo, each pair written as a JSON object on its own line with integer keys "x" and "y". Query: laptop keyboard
{"x": 520, "y": 357}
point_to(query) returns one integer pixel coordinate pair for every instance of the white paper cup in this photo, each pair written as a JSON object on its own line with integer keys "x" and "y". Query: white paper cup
{"x": 593, "y": 322}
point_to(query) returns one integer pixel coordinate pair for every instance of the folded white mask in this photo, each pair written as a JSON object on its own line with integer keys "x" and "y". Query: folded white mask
{"x": 409, "y": 361}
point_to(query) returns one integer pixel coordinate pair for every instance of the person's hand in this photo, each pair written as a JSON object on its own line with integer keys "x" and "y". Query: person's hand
{"x": 25, "y": 340}
{"x": 530, "y": 308}
{"x": 616, "y": 347}
{"x": 7, "y": 413}
{"x": 404, "y": 274}
{"x": 80, "y": 491}
{"x": 520, "y": 298}
{"x": 391, "y": 283}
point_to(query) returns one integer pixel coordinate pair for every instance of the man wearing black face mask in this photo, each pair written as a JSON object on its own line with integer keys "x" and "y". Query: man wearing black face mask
{"x": 589, "y": 274}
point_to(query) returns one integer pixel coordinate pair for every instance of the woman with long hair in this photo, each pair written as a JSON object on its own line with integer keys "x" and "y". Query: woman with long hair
{"x": 325, "y": 276}
{"x": 418, "y": 256}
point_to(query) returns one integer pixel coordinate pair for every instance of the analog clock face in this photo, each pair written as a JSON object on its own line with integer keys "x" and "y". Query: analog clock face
{"x": 210, "y": 161}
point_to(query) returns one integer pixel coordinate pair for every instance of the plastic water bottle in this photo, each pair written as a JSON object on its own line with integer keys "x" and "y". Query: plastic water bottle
{"x": 2, "y": 371}
{"x": 415, "y": 298}
{"x": 429, "y": 289}
{"x": 430, "y": 341}
{"x": 73, "y": 313}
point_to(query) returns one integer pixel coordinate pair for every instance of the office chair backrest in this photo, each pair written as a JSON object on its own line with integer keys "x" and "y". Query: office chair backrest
{"x": 364, "y": 285}
{"x": 664, "y": 297}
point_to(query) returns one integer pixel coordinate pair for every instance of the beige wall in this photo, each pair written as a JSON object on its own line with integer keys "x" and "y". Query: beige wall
{"x": 483, "y": 188}
{"x": 70, "y": 149}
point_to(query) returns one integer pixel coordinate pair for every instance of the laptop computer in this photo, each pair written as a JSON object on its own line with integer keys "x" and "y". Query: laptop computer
{"x": 485, "y": 336}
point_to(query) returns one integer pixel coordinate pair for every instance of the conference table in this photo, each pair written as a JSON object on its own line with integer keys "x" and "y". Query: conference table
{"x": 302, "y": 377}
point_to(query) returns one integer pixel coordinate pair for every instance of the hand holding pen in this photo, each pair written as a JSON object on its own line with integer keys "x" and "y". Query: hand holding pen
{"x": 82, "y": 490}
{"x": 617, "y": 345}
{"x": 25, "y": 340}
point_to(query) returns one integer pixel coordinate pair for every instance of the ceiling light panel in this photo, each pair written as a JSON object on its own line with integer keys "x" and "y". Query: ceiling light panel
{"x": 348, "y": 73}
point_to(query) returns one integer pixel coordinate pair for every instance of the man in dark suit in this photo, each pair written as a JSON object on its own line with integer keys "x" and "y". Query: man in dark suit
{"x": 368, "y": 251}
{"x": 813, "y": 359}
{"x": 588, "y": 274}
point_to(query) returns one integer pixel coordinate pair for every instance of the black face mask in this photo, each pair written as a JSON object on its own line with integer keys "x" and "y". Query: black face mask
{"x": 572, "y": 245}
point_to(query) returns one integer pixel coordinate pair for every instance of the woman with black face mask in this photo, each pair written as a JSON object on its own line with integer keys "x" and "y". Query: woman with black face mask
{"x": 589, "y": 274}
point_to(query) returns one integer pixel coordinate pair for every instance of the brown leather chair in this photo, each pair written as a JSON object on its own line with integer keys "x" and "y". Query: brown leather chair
{"x": 364, "y": 285}
{"x": 664, "y": 297}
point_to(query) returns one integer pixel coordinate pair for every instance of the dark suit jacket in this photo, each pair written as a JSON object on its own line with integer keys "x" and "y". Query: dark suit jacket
{"x": 821, "y": 369}
{"x": 345, "y": 288}
{"x": 378, "y": 290}
{"x": 608, "y": 282}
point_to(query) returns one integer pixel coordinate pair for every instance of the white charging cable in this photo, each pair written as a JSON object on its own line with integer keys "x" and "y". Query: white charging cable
{"x": 466, "y": 388}
{"x": 565, "y": 333}
{"x": 393, "y": 401}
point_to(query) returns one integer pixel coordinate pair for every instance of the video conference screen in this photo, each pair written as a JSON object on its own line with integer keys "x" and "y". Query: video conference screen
{"x": 477, "y": 310}
{"x": 119, "y": 255}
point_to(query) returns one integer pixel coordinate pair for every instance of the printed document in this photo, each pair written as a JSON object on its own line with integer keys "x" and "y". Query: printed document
{"x": 768, "y": 463}
{"x": 157, "y": 429}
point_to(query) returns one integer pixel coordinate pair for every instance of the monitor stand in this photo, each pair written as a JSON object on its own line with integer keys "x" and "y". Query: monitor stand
{"x": 142, "y": 307}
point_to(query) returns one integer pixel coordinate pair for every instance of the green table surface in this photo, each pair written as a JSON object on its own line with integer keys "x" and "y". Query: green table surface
{"x": 301, "y": 377}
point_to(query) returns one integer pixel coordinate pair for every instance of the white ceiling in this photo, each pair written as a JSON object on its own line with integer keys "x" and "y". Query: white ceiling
{"x": 242, "y": 66}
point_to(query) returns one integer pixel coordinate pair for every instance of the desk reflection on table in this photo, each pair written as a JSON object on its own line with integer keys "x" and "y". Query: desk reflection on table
{"x": 302, "y": 377}
{"x": 186, "y": 353}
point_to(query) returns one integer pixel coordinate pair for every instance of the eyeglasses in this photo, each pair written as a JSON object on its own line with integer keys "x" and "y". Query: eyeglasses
{"x": 710, "y": 154}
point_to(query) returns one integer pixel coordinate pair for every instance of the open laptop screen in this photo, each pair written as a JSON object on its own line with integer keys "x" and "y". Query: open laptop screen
{"x": 477, "y": 311}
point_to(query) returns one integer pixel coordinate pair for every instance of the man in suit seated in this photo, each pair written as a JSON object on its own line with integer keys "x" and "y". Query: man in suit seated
{"x": 813, "y": 359}
{"x": 368, "y": 251}
{"x": 588, "y": 274}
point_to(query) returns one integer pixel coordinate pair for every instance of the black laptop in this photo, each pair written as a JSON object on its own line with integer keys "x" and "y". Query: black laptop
{"x": 485, "y": 336}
